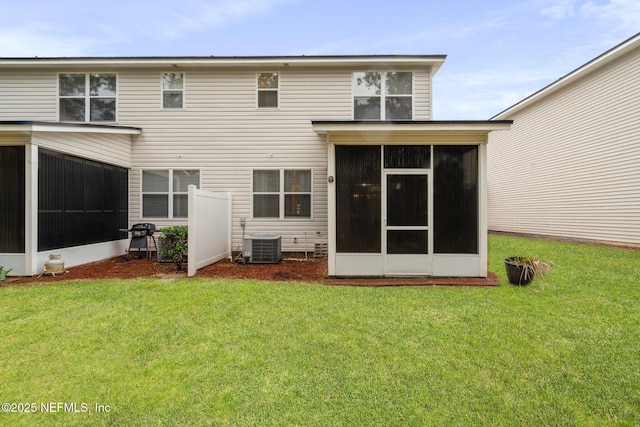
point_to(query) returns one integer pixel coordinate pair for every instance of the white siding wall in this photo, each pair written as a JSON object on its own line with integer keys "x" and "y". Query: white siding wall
{"x": 108, "y": 148}
{"x": 569, "y": 166}
{"x": 223, "y": 133}
{"x": 220, "y": 131}
{"x": 28, "y": 95}
{"x": 422, "y": 95}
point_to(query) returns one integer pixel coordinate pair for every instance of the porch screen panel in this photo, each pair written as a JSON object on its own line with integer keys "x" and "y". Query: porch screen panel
{"x": 455, "y": 199}
{"x": 407, "y": 156}
{"x": 358, "y": 199}
{"x": 79, "y": 201}
{"x": 13, "y": 193}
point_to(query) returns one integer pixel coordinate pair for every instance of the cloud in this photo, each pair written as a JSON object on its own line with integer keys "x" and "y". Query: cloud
{"x": 50, "y": 30}
{"x": 35, "y": 40}
{"x": 480, "y": 94}
{"x": 164, "y": 21}
{"x": 620, "y": 16}
{"x": 559, "y": 11}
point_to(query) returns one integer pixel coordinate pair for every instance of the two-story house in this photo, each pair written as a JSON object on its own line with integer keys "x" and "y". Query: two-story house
{"x": 340, "y": 149}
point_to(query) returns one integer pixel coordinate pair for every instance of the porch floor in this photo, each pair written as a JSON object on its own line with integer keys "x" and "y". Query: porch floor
{"x": 490, "y": 280}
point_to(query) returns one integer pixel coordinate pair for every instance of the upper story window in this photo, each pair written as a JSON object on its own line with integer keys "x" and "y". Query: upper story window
{"x": 87, "y": 97}
{"x": 282, "y": 193}
{"x": 173, "y": 90}
{"x": 383, "y": 95}
{"x": 165, "y": 192}
{"x": 268, "y": 84}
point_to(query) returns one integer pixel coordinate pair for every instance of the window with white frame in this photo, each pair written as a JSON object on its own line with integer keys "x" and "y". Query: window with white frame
{"x": 173, "y": 90}
{"x": 268, "y": 84}
{"x": 87, "y": 97}
{"x": 383, "y": 95}
{"x": 282, "y": 193}
{"x": 165, "y": 192}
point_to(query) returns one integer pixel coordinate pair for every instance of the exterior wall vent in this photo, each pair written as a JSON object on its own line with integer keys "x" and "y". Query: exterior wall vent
{"x": 262, "y": 249}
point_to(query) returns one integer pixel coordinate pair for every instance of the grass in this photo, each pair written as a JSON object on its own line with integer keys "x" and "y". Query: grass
{"x": 561, "y": 351}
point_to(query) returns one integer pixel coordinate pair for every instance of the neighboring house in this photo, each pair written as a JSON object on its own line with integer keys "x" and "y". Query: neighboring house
{"x": 570, "y": 165}
{"x": 339, "y": 150}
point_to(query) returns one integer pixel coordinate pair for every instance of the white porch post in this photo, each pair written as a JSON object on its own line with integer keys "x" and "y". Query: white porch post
{"x": 483, "y": 210}
{"x": 331, "y": 205}
{"x": 31, "y": 210}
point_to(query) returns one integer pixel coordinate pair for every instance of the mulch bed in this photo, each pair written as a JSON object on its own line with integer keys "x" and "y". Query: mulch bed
{"x": 289, "y": 269}
{"x": 311, "y": 270}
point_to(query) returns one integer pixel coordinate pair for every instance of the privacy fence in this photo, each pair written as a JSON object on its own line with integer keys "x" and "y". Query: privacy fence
{"x": 209, "y": 228}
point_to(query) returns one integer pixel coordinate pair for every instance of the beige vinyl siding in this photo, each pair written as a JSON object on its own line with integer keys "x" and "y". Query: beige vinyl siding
{"x": 570, "y": 164}
{"x": 422, "y": 95}
{"x": 28, "y": 95}
{"x": 222, "y": 133}
{"x": 106, "y": 148}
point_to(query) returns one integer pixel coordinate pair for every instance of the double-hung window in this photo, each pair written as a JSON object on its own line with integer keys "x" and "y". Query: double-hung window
{"x": 87, "y": 97}
{"x": 165, "y": 192}
{"x": 282, "y": 193}
{"x": 383, "y": 95}
{"x": 173, "y": 90}
{"x": 268, "y": 84}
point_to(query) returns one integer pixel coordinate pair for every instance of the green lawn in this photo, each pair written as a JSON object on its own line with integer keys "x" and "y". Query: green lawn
{"x": 562, "y": 351}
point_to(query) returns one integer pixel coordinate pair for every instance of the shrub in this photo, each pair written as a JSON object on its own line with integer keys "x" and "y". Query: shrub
{"x": 174, "y": 244}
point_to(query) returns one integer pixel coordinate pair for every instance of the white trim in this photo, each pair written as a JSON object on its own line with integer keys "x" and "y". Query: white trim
{"x": 409, "y": 127}
{"x": 331, "y": 206}
{"x": 483, "y": 210}
{"x": 31, "y": 209}
{"x": 364, "y": 61}
{"x": 76, "y": 127}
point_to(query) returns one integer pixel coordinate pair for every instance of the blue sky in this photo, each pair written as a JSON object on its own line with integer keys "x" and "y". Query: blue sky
{"x": 497, "y": 51}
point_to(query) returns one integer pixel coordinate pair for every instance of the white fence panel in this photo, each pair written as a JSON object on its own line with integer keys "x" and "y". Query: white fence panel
{"x": 209, "y": 228}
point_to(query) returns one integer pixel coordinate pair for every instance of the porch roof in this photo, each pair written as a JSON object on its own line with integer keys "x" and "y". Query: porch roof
{"x": 43, "y": 126}
{"x": 325, "y": 127}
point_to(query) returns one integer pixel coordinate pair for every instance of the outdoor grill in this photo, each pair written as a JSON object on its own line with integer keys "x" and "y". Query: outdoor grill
{"x": 141, "y": 235}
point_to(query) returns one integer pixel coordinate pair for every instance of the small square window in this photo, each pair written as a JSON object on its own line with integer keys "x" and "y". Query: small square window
{"x": 268, "y": 85}
{"x": 173, "y": 90}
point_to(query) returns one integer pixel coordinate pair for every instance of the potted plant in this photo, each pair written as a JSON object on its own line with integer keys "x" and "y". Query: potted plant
{"x": 174, "y": 244}
{"x": 521, "y": 270}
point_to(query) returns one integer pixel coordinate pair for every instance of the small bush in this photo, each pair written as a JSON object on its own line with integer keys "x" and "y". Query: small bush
{"x": 174, "y": 244}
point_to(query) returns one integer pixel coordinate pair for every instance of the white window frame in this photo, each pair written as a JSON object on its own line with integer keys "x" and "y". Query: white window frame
{"x": 259, "y": 89}
{"x": 281, "y": 195}
{"x": 88, "y": 97}
{"x": 170, "y": 193}
{"x": 383, "y": 94}
{"x": 163, "y": 90}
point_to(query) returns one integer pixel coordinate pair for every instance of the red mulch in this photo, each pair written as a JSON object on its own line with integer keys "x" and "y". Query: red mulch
{"x": 311, "y": 270}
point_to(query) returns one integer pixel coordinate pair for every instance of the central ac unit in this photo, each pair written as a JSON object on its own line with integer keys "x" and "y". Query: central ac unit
{"x": 262, "y": 249}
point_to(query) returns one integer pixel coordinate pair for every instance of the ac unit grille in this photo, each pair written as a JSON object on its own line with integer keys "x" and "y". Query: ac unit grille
{"x": 262, "y": 249}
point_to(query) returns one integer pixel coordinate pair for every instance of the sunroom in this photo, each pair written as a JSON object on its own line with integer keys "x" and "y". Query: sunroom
{"x": 65, "y": 190}
{"x": 407, "y": 198}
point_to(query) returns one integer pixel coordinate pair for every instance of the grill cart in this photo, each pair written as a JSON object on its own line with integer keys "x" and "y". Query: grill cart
{"x": 142, "y": 239}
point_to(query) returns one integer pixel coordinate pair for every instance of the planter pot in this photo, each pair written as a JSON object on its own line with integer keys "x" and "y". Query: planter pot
{"x": 518, "y": 274}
